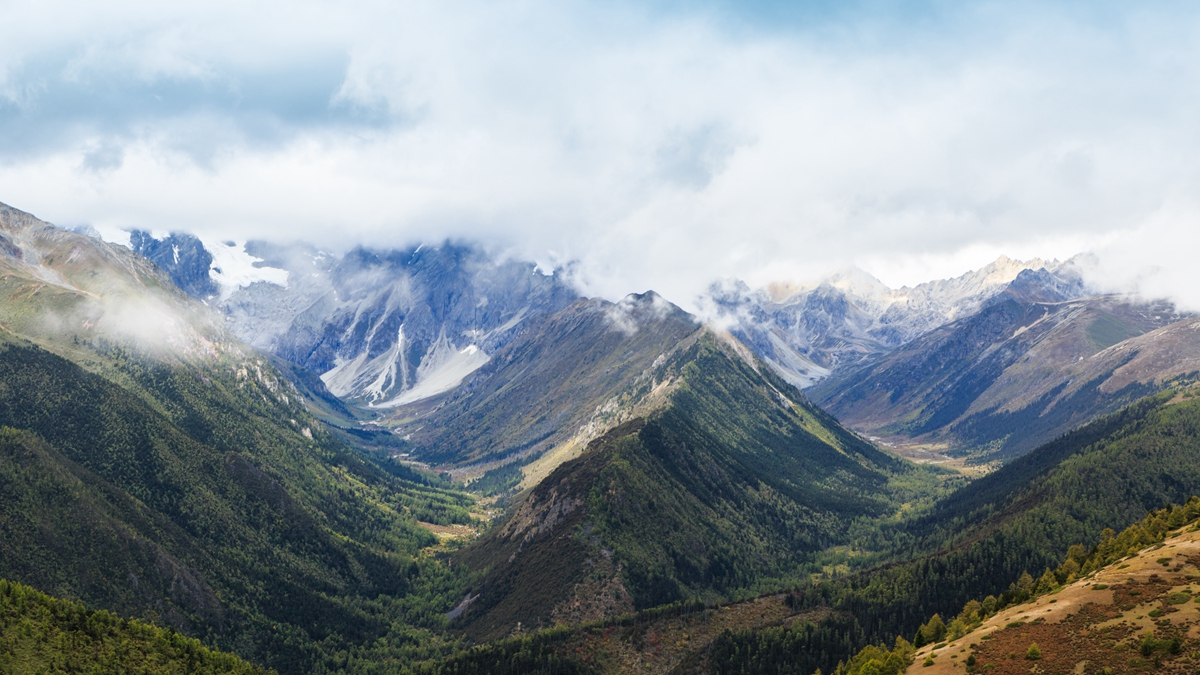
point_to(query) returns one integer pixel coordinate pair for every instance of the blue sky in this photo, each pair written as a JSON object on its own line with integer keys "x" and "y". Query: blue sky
{"x": 658, "y": 144}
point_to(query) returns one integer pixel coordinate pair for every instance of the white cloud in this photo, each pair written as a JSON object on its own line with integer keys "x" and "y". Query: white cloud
{"x": 1158, "y": 257}
{"x": 661, "y": 148}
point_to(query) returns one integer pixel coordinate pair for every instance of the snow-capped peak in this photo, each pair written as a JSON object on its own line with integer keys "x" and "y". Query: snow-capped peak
{"x": 806, "y": 330}
{"x": 234, "y": 268}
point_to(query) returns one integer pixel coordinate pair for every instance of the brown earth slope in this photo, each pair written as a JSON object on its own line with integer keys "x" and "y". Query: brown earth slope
{"x": 1140, "y": 614}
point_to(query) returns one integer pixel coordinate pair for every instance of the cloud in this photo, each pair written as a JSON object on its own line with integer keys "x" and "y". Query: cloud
{"x": 174, "y": 79}
{"x": 659, "y": 145}
{"x": 103, "y": 158}
{"x": 627, "y": 314}
{"x": 1155, "y": 259}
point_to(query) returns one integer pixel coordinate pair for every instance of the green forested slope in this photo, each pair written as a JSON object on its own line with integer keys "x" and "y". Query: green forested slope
{"x": 733, "y": 484}
{"x": 67, "y": 530}
{"x": 207, "y": 514}
{"x": 1025, "y": 516}
{"x": 153, "y": 465}
{"x": 43, "y": 635}
{"x": 981, "y": 541}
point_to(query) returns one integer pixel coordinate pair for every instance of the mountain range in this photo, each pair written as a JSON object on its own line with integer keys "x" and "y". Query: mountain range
{"x": 443, "y": 460}
{"x": 380, "y": 328}
{"x": 1031, "y": 365}
{"x": 297, "y": 302}
{"x": 807, "y": 332}
{"x": 986, "y": 365}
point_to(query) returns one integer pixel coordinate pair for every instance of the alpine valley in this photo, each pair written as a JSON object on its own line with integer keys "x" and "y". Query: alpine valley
{"x": 255, "y": 456}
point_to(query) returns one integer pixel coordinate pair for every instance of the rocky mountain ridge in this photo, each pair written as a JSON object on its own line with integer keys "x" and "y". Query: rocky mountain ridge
{"x": 808, "y": 332}
{"x": 380, "y": 327}
{"x": 1031, "y": 365}
{"x": 372, "y": 326}
{"x": 695, "y": 495}
{"x": 547, "y": 394}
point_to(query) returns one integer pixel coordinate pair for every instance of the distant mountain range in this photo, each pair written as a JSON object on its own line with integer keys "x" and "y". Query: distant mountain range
{"x": 381, "y": 328}
{"x": 990, "y": 363}
{"x": 1032, "y": 364}
{"x": 341, "y": 317}
{"x": 808, "y": 332}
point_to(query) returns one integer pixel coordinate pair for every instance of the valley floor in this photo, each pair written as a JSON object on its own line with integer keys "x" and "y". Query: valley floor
{"x": 934, "y": 453}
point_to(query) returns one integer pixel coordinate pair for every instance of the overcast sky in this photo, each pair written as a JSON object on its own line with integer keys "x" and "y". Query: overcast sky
{"x": 661, "y": 145}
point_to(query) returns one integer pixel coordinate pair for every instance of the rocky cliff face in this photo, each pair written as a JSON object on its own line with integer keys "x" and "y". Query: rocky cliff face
{"x": 386, "y": 328}
{"x": 183, "y": 257}
{"x": 381, "y": 327}
{"x": 397, "y": 326}
{"x": 552, "y": 390}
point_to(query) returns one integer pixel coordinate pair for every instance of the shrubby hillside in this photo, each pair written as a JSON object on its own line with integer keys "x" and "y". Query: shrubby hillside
{"x": 42, "y": 634}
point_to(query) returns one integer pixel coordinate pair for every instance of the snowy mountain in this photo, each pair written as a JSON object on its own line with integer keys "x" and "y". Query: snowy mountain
{"x": 381, "y": 328}
{"x": 807, "y": 332}
{"x": 388, "y": 328}
{"x": 1030, "y": 366}
{"x": 183, "y": 257}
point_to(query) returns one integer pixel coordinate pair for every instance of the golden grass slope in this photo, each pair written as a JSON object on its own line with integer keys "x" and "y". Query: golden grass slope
{"x": 1139, "y": 614}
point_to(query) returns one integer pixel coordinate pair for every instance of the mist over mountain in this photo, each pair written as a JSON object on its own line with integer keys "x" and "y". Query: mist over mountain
{"x": 1033, "y": 363}
{"x": 371, "y": 324}
{"x": 808, "y": 332}
{"x": 381, "y": 328}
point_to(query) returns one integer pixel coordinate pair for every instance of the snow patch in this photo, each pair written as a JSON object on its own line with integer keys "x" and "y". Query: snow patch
{"x": 442, "y": 369}
{"x": 108, "y": 234}
{"x": 340, "y": 379}
{"x": 394, "y": 371}
{"x": 233, "y": 268}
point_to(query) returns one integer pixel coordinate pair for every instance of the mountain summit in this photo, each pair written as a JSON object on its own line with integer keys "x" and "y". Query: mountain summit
{"x": 380, "y": 327}
{"x": 807, "y": 332}
{"x": 720, "y": 475}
